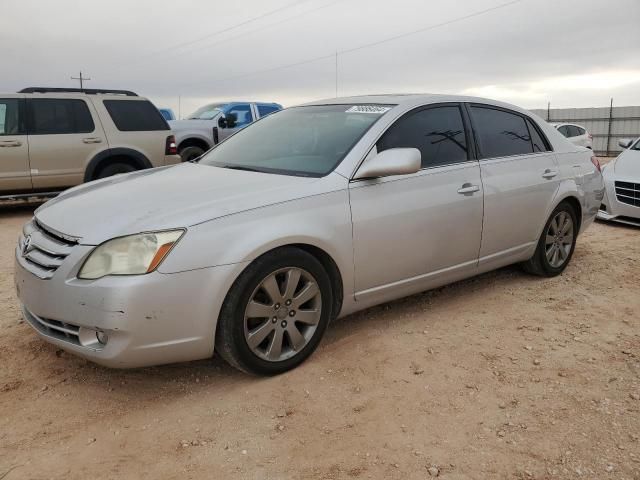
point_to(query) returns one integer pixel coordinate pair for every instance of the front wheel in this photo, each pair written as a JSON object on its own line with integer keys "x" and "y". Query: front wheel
{"x": 557, "y": 243}
{"x": 188, "y": 154}
{"x": 276, "y": 313}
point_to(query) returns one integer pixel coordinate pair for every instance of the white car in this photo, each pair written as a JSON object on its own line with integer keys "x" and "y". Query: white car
{"x": 621, "y": 201}
{"x": 576, "y": 134}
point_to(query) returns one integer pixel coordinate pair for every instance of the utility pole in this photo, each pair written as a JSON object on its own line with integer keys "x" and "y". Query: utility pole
{"x": 548, "y": 111}
{"x": 82, "y": 79}
{"x": 336, "y": 73}
{"x": 609, "y": 128}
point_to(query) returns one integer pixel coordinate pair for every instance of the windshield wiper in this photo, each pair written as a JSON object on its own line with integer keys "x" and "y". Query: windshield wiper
{"x": 241, "y": 167}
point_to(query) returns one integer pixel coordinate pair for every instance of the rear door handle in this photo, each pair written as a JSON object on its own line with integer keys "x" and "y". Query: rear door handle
{"x": 10, "y": 143}
{"x": 548, "y": 173}
{"x": 468, "y": 189}
{"x": 92, "y": 140}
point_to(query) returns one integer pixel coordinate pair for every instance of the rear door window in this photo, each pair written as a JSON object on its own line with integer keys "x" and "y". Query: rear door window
{"x": 438, "y": 132}
{"x": 573, "y": 131}
{"x": 500, "y": 133}
{"x": 53, "y": 116}
{"x": 135, "y": 115}
{"x": 564, "y": 130}
{"x": 10, "y": 123}
{"x": 264, "y": 110}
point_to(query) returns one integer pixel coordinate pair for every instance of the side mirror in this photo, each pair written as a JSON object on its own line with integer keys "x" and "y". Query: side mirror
{"x": 625, "y": 142}
{"x": 395, "y": 161}
{"x": 232, "y": 120}
{"x": 222, "y": 122}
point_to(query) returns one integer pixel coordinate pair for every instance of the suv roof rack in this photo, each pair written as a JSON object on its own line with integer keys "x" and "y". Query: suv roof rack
{"x": 90, "y": 91}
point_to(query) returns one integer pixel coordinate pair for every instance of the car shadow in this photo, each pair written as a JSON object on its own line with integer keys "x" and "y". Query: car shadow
{"x": 175, "y": 380}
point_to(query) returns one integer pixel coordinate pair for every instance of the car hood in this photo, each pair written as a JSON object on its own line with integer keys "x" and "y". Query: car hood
{"x": 627, "y": 165}
{"x": 169, "y": 197}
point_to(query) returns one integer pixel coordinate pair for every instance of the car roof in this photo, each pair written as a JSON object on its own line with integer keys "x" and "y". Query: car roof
{"x": 235, "y": 102}
{"x": 110, "y": 96}
{"x": 414, "y": 99}
{"x": 559, "y": 124}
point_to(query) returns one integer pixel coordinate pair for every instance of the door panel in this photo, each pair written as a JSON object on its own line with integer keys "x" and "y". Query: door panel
{"x": 517, "y": 194}
{"x": 14, "y": 148}
{"x": 64, "y": 135}
{"x": 520, "y": 178}
{"x": 407, "y": 227}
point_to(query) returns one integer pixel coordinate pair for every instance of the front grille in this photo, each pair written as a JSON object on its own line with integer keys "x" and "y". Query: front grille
{"x": 54, "y": 328}
{"x": 629, "y": 193}
{"x": 42, "y": 249}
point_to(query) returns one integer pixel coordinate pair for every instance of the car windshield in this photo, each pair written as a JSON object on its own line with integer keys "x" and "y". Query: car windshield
{"x": 207, "y": 112}
{"x": 636, "y": 146}
{"x": 305, "y": 141}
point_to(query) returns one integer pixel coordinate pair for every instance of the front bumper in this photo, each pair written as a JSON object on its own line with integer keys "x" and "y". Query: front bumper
{"x": 148, "y": 319}
{"x": 613, "y": 210}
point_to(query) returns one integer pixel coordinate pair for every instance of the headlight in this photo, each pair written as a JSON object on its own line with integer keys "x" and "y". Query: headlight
{"x": 131, "y": 255}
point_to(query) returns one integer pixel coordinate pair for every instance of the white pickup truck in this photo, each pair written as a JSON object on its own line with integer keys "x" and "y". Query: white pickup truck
{"x": 213, "y": 123}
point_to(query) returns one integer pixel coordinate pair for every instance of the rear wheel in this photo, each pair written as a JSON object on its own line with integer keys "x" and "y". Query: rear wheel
{"x": 275, "y": 313}
{"x": 188, "y": 154}
{"x": 557, "y": 243}
{"x": 115, "y": 169}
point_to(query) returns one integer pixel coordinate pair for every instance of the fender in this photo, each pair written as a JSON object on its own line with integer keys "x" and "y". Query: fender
{"x": 567, "y": 188}
{"x": 188, "y": 135}
{"x": 141, "y": 160}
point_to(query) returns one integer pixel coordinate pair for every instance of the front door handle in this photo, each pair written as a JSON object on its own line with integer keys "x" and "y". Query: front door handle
{"x": 10, "y": 143}
{"x": 548, "y": 173}
{"x": 92, "y": 140}
{"x": 468, "y": 189}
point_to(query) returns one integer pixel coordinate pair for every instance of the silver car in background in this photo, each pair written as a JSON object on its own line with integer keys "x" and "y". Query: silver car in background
{"x": 309, "y": 214}
{"x": 621, "y": 202}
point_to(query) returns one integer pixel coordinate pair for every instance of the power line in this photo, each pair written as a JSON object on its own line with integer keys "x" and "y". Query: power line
{"x": 433, "y": 27}
{"x": 361, "y": 47}
{"x": 232, "y": 27}
{"x": 266, "y": 27}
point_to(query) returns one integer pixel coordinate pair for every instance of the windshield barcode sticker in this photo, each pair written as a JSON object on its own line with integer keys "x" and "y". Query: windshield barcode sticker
{"x": 368, "y": 109}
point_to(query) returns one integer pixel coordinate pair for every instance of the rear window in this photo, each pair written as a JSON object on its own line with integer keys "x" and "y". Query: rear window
{"x": 539, "y": 143}
{"x": 51, "y": 116}
{"x": 135, "y": 115}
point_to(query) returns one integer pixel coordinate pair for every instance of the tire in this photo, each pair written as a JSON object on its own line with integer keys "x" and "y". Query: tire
{"x": 191, "y": 153}
{"x": 554, "y": 250}
{"x": 249, "y": 341}
{"x": 115, "y": 169}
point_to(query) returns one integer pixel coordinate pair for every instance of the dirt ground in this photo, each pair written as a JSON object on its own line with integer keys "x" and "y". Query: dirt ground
{"x": 501, "y": 376}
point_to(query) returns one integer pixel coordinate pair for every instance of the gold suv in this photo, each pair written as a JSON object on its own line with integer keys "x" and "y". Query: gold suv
{"x": 54, "y": 138}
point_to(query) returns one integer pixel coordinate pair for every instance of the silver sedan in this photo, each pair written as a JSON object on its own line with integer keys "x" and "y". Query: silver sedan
{"x": 309, "y": 214}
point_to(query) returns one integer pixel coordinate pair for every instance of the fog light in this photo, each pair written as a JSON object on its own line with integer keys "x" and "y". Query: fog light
{"x": 102, "y": 337}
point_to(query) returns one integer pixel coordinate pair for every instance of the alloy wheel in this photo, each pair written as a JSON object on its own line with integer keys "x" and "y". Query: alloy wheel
{"x": 559, "y": 239}
{"x": 282, "y": 314}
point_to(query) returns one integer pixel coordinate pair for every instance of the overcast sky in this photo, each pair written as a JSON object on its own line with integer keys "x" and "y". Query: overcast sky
{"x": 573, "y": 53}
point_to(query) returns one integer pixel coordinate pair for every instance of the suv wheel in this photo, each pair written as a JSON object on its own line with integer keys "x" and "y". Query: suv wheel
{"x": 191, "y": 153}
{"x": 557, "y": 243}
{"x": 276, "y": 313}
{"x": 115, "y": 169}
